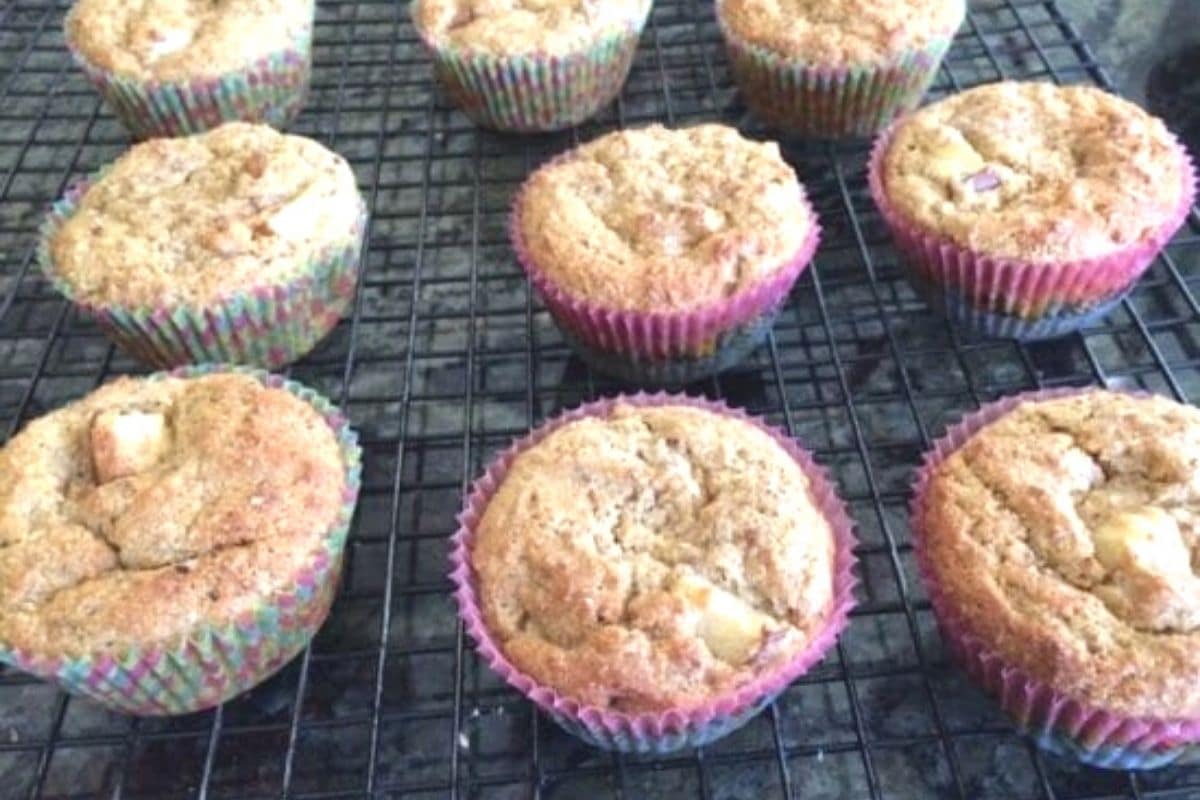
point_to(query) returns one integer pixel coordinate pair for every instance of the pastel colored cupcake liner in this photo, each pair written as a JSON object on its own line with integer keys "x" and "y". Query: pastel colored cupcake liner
{"x": 1014, "y": 298}
{"x": 272, "y": 90}
{"x": 664, "y": 348}
{"x": 266, "y": 326}
{"x": 216, "y": 662}
{"x": 1054, "y": 720}
{"x": 652, "y": 732}
{"x": 830, "y": 102}
{"x": 536, "y": 92}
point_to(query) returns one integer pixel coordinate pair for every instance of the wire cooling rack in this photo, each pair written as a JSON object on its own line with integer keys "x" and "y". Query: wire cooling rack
{"x": 447, "y": 356}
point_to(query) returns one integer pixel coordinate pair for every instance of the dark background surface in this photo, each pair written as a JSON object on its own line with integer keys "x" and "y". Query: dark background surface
{"x": 448, "y": 356}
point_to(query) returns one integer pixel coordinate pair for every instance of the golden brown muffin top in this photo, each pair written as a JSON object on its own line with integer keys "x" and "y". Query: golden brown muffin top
{"x": 148, "y": 507}
{"x": 515, "y": 27}
{"x": 1035, "y": 171}
{"x": 174, "y": 40}
{"x": 664, "y": 220}
{"x": 841, "y": 32}
{"x": 190, "y": 220}
{"x": 653, "y": 558}
{"x": 1068, "y": 533}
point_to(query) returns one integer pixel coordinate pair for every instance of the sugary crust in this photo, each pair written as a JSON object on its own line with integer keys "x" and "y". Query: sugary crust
{"x": 180, "y": 40}
{"x": 1067, "y": 533}
{"x": 657, "y": 219}
{"x": 232, "y": 489}
{"x": 194, "y": 219}
{"x": 654, "y": 558}
{"x": 1036, "y": 172}
{"x": 841, "y": 33}
{"x": 523, "y": 27}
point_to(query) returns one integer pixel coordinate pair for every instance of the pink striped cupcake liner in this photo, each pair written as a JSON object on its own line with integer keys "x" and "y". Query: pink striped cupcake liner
{"x": 1013, "y": 298}
{"x": 664, "y": 348}
{"x": 1054, "y": 720}
{"x": 652, "y": 732}
{"x": 266, "y": 326}
{"x": 217, "y": 661}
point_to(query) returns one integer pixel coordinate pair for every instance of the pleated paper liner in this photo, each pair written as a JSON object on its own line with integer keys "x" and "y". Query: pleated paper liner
{"x": 267, "y": 326}
{"x": 218, "y": 660}
{"x": 665, "y": 348}
{"x": 1055, "y": 721}
{"x": 671, "y": 730}
{"x": 824, "y": 102}
{"x": 1013, "y": 298}
{"x": 533, "y": 92}
{"x": 273, "y": 90}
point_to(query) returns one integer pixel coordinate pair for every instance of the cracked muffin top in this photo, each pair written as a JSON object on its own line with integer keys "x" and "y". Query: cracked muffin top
{"x": 1067, "y": 532}
{"x": 841, "y": 32}
{"x": 660, "y": 219}
{"x": 1036, "y": 172}
{"x": 191, "y": 220}
{"x": 514, "y": 27}
{"x": 148, "y": 507}
{"x": 653, "y": 558}
{"x": 173, "y": 40}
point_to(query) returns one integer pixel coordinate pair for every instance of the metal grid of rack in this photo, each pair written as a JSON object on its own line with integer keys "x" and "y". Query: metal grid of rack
{"x": 448, "y": 355}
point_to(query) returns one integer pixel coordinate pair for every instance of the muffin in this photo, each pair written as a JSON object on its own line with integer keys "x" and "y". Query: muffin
{"x": 664, "y": 255}
{"x": 1059, "y": 537}
{"x": 168, "y": 542}
{"x": 239, "y": 245}
{"x": 174, "y": 67}
{"x": 531, "y": 66}
{"x": 836, "y": 68}
{"x": 652, "y": 571}
{"x": 1028, "y": 210}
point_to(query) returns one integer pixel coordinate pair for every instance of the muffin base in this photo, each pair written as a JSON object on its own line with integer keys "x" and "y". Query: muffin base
{"x": 1006, "y": 297}
{"x": 665, "y": 348}
{"x": 1053, "y": 720}
{"x": 831, "y": 102}
{"x": 266, "y": 326}
{"x": 272, "y": 90}
{"x": 213, "y": 663}
{"x": 674, "y": 729}
{"x": 536, "y": 93}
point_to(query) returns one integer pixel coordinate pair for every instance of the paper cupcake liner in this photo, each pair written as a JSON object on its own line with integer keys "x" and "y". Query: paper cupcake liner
{"x": 652, "y": 732}
{"x": 266, "y": 326}
{"x": 664, "y": 348}
{"x": 1054, "y": 720}
{"x": 271, "y": 90}
{"x": 1012, "y": 297}
{"x": 534, "y": 92}
{"x": 215, "y": 662}
{"x": 830, "y": 102}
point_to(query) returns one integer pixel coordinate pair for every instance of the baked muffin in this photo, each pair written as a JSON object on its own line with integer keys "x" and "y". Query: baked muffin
{"x": 1028, "y": 209}
{"x": 836, "y": 68}
{"x": 531, "y": 66}
{"x": 663, "y": 254}
{"x": 168, "y": 542}
{"x": 1059, "y": 536}
{"x": 239, "y": 245}
{"x": 173, "y": 67}
{"x": 652, "y": 571}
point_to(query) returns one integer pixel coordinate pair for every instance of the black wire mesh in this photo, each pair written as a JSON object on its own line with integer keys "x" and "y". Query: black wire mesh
{"x": 448, "y": 355}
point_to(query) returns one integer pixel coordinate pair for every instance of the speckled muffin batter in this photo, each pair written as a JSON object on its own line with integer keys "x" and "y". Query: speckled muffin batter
{"x": 149, "y": 507}
{"x": 1067, "y": 534}
{"x": 1035, "y": 171}
{"x": 841, "y": 32}
{"x": 173, "y": 40}
{"x": 194, "y": 219}
{"x": 511, "y": 27}
{"x": 657, "y": 219}
{"x": 653, "y": 558}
